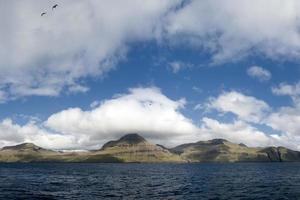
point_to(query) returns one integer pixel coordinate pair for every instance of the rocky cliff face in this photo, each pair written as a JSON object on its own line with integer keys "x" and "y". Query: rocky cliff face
{"x": 281, "y": 154}
{"x": 134, "y": 148}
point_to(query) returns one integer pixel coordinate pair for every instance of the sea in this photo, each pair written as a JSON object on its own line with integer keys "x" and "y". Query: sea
{"x": 150, "y": 181}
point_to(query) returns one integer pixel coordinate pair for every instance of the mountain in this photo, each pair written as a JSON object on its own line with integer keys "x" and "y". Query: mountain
{"x": 134, "y": 148}
{"x": 129, "y": 148}
{"x": 29, "y": 152}
{"x": 26, "y": 152}
{"x": 219, "y": 150}
{"x": 23, "y": 147}
{"x": 126, "y": 141}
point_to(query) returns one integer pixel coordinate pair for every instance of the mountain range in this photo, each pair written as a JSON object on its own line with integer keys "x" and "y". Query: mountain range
{"x": 132, "y": 148}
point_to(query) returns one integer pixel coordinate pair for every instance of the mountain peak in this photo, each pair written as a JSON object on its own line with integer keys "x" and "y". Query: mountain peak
{"x": 132, "y": 138}
{"x": 218, "y": 141}
{"x": 129, "y": 139}
{"x": 23, "y": 146}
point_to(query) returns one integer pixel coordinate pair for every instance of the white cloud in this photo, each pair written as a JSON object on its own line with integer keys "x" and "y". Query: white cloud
{"x": 143, "y": 110}
{"x": 11, "y": 133}
{"x": 284, "y": 121}
{"x": 232, "y": 29}
{"x": 94, "y": 104}
{"x": 242, "y": 132}
{"x": 238, "y": 132}
{"x": 260, "y": 73}
{"x": 44, "y": 55}
{"x": 77, "y": 88}
{"x": 287, "y": 119}
{"x": 285, "y": 89}
{"x": 197, "y": 89}
{"x": 158, "y": 118}
{"x": 245, "y": 107}
{"x": 177, "y": 66}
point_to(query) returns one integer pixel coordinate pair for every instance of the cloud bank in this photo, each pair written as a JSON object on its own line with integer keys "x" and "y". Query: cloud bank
{"x": 142, "y": 110}
{"x": 158, "y": 118}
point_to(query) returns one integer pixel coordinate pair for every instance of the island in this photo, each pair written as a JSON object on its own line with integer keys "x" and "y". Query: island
{"x": 133, "y": 148}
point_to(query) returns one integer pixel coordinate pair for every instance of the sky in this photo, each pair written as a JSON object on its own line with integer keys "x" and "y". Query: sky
{"x": 174, "y": 71}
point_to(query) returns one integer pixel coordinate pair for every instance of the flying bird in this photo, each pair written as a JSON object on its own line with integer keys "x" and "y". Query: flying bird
{"x": 53, "y": 7}
{"x": 44, "y": 13}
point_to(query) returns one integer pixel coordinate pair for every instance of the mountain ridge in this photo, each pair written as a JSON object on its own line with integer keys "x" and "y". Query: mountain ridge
{"x": 134, "y": 148}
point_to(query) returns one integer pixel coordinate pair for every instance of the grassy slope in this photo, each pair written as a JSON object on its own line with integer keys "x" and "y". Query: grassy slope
{"x": 140, "y": 153}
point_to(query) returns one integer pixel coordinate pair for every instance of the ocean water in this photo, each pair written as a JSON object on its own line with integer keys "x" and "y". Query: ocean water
{"x": 150, "y": 181}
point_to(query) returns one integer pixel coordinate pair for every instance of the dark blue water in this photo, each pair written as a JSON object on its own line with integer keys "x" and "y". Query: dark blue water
{"x": 150, "y": 181}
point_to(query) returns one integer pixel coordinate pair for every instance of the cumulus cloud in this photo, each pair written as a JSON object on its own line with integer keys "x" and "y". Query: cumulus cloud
{"x": 247, "y": 108}
{"x": 259, "y": 73}
{"x": 251, "y": 111}
{"x": 238, "y": 131}
{"x": 144, "y": 110}
{"x": 242, "y": 132}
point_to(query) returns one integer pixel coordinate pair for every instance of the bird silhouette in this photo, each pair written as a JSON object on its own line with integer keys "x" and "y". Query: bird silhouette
{"x": 44, "y": 13}
{"x": 53, "y": 7}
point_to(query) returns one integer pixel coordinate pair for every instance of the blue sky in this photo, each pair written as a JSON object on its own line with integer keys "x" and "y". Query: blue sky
{"x": 148, "y": 65}
{"x": 73, "y": 81}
